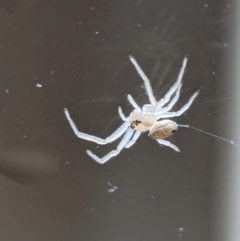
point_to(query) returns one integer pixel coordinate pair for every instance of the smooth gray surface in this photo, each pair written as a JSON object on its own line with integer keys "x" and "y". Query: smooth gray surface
{"x": 74, "y": 54}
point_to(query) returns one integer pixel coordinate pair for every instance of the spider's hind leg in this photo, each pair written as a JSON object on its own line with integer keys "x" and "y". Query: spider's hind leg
{"x": 169, "y": 144}
{"x": 175, "y": 86}
{"x": 136, "y": 135}
{"x": 182, "y": 110}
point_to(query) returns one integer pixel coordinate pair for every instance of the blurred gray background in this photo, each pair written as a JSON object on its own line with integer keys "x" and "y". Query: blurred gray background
{"x": 74, "y": 54}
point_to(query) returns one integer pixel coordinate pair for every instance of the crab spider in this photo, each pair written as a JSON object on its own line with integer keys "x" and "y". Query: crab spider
{"x": 143, "y": 119}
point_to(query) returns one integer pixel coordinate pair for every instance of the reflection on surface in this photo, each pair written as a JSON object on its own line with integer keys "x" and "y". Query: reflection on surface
{"x": 28, "y": 165}
{"x": 227, "y": 179}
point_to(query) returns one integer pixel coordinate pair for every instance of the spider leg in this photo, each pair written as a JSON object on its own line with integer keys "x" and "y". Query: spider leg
{"x": 123, "y": 117}
{"x": 115, "y": 135}
{"x": 145, "y": 80}
{"x": 173, "y": 89}
{"x": 113, "y": 153}
{"x": 134, "y": 103}
{"x": 169, "y": 144}
{"x": 182, "y": 110}
{"x": 171, "y": 103}
{"x": 136, "y": 135}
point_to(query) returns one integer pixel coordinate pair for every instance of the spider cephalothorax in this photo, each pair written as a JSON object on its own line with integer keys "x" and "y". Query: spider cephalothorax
{"x": 143, "y": 119}
{"x": 140, "y": 122}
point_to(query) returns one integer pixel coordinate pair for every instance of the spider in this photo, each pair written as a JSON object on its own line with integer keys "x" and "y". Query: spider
{"x": 143, "y": 119}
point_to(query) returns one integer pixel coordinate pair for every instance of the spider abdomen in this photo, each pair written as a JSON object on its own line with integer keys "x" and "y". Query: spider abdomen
{"x": 163, "y": 129}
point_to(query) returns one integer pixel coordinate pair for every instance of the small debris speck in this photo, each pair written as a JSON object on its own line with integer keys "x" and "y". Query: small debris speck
{"x": 113, "y": 189}
{"x": 181, "y": 229}
{"x": 38, "y": 85}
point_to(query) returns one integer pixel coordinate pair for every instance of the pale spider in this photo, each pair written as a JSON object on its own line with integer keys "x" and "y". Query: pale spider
{"x": 143, "y": 119}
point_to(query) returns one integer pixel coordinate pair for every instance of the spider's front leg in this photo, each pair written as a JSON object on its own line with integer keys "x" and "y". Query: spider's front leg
{"x": 115, "y": 135}
{"x": 134, "y": 103}
{"x": 146, "y": 81}
{"x": 122, "y": 144}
